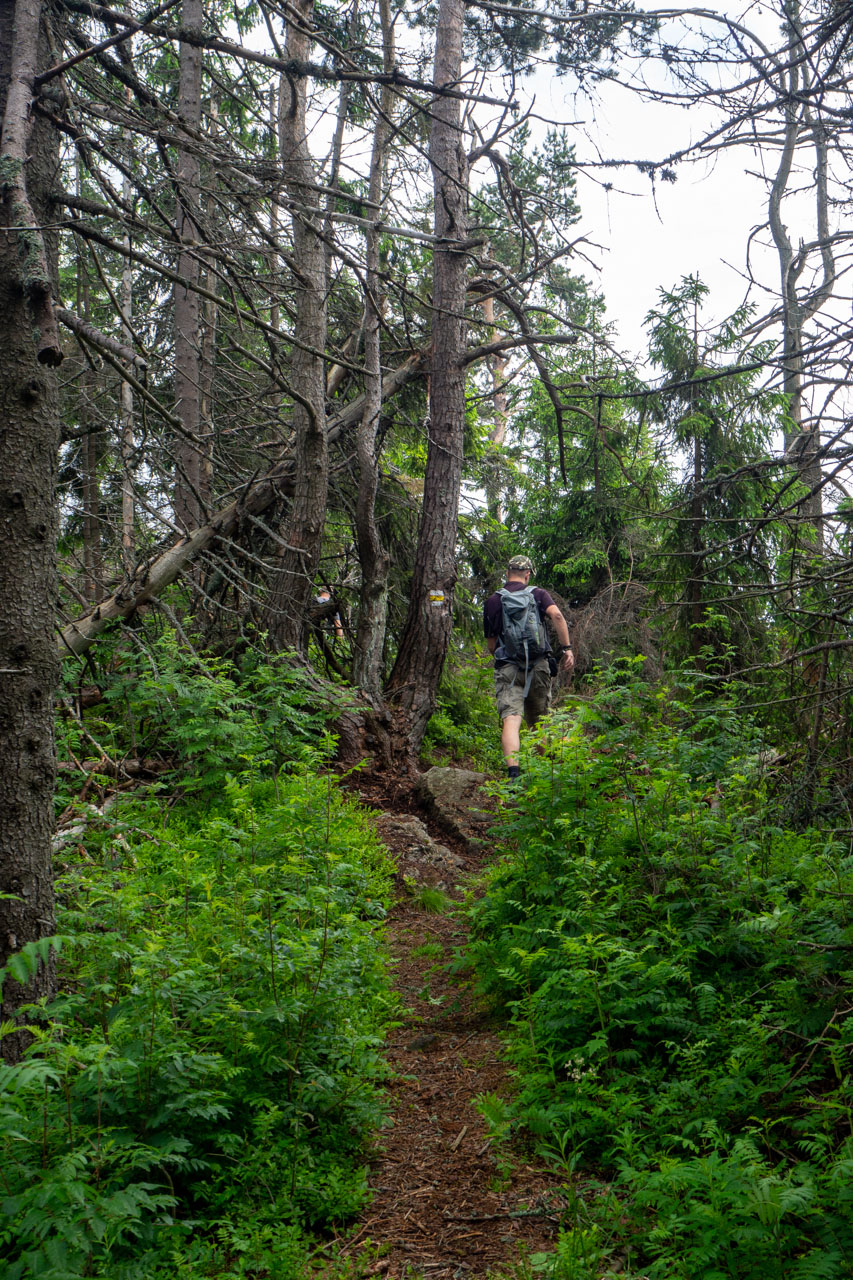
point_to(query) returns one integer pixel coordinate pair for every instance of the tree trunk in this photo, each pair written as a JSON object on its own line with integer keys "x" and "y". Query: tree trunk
{"x": 91, "y": 491}
{"x": 91, "y": 495}
{"x": 337, "y": 151}
{"x": 497, "y": 362}
{"x": 302, "y": 533}
{"x": 802, "y": 439}
{"x": 208, "y": 326}
{"x": 373, "y": 558}
{"x": 128, "y": 505}
{"x": 189, "y": 478}
{"x": 696, "y": 560}
{"x": 414, "y": 681}
{"x": 29, "y": 441}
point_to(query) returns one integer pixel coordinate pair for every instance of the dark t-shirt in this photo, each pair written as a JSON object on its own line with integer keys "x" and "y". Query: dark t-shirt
{"x": 493, "y": 616}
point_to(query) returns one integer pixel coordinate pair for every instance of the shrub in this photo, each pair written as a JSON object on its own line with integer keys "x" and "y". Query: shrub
{"x": 204, "y": 715}
{"x": 212, "y": 1066}
{"x": 465, "y": 726}
{"x": 675, "y": 963}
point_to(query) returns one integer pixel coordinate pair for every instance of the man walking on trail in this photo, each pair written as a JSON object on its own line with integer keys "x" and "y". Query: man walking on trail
{"x": 514, "y": 625}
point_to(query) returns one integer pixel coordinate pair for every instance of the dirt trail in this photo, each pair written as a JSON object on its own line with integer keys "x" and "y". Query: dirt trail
{"x": 447, "y": 1201}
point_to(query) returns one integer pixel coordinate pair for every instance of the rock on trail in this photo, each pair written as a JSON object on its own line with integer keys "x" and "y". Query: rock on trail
{"x": 455, "y": 800}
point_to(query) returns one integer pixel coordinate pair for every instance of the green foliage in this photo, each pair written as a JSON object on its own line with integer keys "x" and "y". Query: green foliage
{"x": 464, "y": 727}
{"x": 593, "y": 529}
{"x": 717, "y": 421}
{"x": 206, "y": 715}
{"x": 428, "y": 950}
{"x": 26, "y": 963}
{"x": 675, "y": 963}
{"x": 201, "y": 1095}
{"x": 428, "y": 898}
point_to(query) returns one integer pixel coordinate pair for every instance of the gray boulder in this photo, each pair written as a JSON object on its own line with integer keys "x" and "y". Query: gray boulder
{"x": 454, "y": 799}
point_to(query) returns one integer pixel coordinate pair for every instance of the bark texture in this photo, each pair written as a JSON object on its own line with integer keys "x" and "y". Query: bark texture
{"x": 414, "y": 681}
{"x": 373, "y": 558}
{"x": 303, "y": 529}
{"x": 29, "y": 441}
{"x": 33, "y": 271}
{"x": 191, "y": 479}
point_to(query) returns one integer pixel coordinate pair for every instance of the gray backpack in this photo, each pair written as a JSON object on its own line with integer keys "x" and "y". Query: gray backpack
{"x": 522, "y": 633}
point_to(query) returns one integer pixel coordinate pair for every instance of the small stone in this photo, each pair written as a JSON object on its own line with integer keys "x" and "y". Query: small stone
{"x": 429, "y": 1040}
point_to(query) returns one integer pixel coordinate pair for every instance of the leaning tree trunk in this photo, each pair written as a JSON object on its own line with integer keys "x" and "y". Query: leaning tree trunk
{"x": 423, "y": 646}
{"x": 29, "y": 441}
{"x": 302, "y": 533}
{"x": 500, "y": 416}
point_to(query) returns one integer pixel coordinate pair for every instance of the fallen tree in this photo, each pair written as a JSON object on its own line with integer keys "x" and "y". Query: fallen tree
{"x": 153, "y": 576}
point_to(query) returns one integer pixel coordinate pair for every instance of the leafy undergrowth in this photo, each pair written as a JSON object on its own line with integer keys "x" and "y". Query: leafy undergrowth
{"x": 204, "y": 1088}
{"x": 464, "y": 728}
{"x": 199, "y": 1100}
{"x": 677, "y": 964}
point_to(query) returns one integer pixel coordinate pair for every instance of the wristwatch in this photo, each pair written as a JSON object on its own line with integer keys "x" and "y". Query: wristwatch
{"x": 565, "y": 648}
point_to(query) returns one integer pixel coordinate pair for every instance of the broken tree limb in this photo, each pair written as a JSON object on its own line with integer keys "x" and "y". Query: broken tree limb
{"x": 152, "y": 577}
{"x": 100, "y": 341}
{"x": 520, "y": 340}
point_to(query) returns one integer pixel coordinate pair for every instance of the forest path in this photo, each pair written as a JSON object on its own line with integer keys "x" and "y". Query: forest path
{"x": 449, "y": 1203}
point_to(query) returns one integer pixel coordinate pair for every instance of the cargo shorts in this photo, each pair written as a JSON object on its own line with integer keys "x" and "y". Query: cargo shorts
{"x": 509, "y": 691}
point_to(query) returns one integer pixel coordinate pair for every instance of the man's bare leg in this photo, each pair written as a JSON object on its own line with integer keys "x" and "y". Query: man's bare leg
{"x": 511, "y": 739}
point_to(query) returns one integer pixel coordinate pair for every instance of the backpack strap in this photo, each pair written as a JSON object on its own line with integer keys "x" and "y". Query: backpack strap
{"x": 528, "y": 669}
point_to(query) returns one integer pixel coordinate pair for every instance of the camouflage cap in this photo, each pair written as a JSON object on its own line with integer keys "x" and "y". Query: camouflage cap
{"x": 522, "y": 564}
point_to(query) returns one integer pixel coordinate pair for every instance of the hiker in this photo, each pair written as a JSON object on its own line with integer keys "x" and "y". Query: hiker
{"x": 514, "y": 625}
{"x": 334, "y": 626}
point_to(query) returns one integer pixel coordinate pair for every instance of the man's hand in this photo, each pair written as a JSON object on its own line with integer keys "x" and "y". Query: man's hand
{"x": 567, "y": 658}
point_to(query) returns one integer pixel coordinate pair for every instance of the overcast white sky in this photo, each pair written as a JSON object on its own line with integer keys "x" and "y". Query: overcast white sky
{"x": 651, "y": 237}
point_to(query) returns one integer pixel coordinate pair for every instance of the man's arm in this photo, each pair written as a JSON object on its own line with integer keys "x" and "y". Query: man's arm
{"x": 492, "y": 643}
{"x": 567, "y": 658}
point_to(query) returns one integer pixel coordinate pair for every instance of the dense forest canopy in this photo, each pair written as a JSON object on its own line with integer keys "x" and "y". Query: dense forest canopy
{"x": 303, "y": 339}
